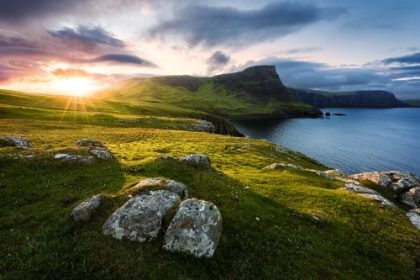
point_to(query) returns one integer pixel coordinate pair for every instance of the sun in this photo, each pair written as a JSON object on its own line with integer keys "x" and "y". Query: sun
{"x": 76, "y": 86}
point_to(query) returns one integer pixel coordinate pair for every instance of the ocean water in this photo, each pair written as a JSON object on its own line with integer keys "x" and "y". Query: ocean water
{"x": 362, "y": 140}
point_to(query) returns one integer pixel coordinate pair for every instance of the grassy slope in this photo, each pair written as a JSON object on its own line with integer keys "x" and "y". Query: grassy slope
{"x": 209, "y": 98}
{"x": 413, "y": 102}
{"x": 328, "y": 93}
{"x": 351, "y": 238}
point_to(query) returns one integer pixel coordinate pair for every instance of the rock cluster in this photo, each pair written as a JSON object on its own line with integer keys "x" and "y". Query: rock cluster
{"x": 96, "y": 148}
{"x": 405, "y": 185}
{"x": 204, "y": 126}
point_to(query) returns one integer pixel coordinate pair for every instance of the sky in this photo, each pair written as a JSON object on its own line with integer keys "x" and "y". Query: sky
{"x": 79, "y": 46}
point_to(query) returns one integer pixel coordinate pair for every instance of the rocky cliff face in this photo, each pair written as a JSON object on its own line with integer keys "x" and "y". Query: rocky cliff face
{"x": 361, "y": 99}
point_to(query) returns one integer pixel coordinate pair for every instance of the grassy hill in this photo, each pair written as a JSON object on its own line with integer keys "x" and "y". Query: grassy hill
{"x": 277, "y": 224}
{"x": 257, "y": 91}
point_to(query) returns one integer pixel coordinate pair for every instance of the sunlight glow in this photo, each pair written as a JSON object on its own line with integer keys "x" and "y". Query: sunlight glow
{"x": 75, "y": 86}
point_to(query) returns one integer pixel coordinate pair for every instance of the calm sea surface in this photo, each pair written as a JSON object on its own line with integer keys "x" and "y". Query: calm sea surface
{"x": 362, "y": 140}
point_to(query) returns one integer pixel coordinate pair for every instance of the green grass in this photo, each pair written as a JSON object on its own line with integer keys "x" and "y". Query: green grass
{"x": 307, "y": 226}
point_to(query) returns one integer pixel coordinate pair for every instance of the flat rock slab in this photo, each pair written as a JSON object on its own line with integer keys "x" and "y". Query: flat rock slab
{"x": 85, "y": 211}
{"x": 195, "y": 229}
{"x": 359, "y": 189}
{"x": 140, "y": 218}
{"x": 171, "y": 185}
{"x": 74, "y": 158}
{"x": 16, "y": 141}
{"x": 283, "y": 165}
{"x": 377, "y": 198}
{"x": 414, "y": 216}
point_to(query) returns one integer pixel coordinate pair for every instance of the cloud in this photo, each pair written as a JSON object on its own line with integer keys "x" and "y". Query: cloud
{"x": 408, "y": 59}
{"x": 123, "y": 59}
{"x": 89, "y": 36}
{"x": 304, "y": 50}
{"x": 211, "y": 26}
{"x": 18, "y": 10}
{"x": 67, "y": 73}
{"x": 216, "y": 61}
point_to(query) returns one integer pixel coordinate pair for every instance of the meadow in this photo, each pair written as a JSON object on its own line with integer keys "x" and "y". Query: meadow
{"x": 277, "y": 224}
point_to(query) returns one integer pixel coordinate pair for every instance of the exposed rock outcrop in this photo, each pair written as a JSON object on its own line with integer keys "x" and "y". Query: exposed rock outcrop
{"x": 414, "y": 216}
{"x": 16, "y": 141}
{"x": 204, "y": 126}
{"x": 140, "y": 219}
{"x": 360, "y": 99}
{"x": 195, "y": 229}
{"x": 85, "y": 211}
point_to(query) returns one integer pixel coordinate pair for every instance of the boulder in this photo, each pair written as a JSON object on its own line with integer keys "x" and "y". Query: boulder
{"x": 195, "y": 229}
{"x": 171, "y": 185}
{"x": 140, "y": 218}
{"x": 412, "y": 197}
{"x": 414, "y": 216}
{"x": 199, "y": 161}
{"x": 85, "y": 211}
{"x": 90, "y": 143}
{"x": 15, "y": 141}
{"x": 102, "y": 154}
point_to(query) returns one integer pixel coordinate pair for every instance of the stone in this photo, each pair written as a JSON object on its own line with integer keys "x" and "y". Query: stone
{"x": 282, "y": 165}
{"x": 140, "y": 218}
{"x": 377, "y": 198}
{"x": 195, "y": 229}
{"x": 412, "y": 197}
{"x": 199, "y": 161}
{"x": 165, "y": 158}
{"x": 171, "y": 185}
{"x": 15, "y": 141}
{"x": 376, "y": 177}
{"x": 77, "y": 158}
{"x": 336, "y": 172}
{"x": 101, "y": 154}
{"x": 414, "y": 216}
{"x": 359, "y": 189}
{"x": 85, "y": 210}
{"x": 204, "y": 126}
{"x": 87, "y": 142}
{"x": 60, "y": 156}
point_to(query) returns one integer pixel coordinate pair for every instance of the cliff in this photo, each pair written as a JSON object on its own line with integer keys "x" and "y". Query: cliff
{"x": 358, "y": 99}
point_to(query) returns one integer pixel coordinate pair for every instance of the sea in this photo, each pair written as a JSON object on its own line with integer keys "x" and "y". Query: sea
{"x": 354, "y": 140}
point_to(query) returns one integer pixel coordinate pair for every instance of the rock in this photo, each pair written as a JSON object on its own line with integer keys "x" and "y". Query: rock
{"x": 282, "y": 149}
{"x": 377, "y": 177}
{"x": 412, "y": 197}
{"x": 105, "y": 155}
{"x": 327, "y": 114}
{"x": 78, "y": 158}
{"x": 195, "y": 229}
{"x": 199, "y": 161}
{"x": 320, "y": 173}
{"x": 86, "y": 142}
{"x": 359, "y": 189}
{"x": 68, "y": 199}
{"x": 282, "y": 165}
{"x": 171, "y": 185}
{"x": 85, "y": 210}
{"x": 15, "y": 141}
{"x": 140, "y": 219}
{"x": 204, "y": 126}
{"x": 165, "y": 157}
{"x": 414, "y": 216}
{"x": 377, "y": 198}
{"x": 60, "y": 156}
{"x": 337, "y": 172}
{"x": 398, "y": 182}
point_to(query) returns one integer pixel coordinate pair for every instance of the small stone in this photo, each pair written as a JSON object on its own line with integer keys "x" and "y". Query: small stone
{"x": 101, "y": 154}
{"x": 171, "y": 185}
{"x": 85, "y": 211}
{"x": 199, "y": 161}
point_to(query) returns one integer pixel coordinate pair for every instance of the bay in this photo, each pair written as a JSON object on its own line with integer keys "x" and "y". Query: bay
{"x": 361, "y": 140}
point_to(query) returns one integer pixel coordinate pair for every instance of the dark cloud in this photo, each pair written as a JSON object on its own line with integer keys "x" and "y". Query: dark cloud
{"x": 408, "y": 59}
{"x": 89, "y": 36}
{"x": 212, "y": 26}
{"x": 216, "y": 61}
{"x": 15, "y": 42}
{"x": 123, "y": 59}
{"x": 18, "y": 10}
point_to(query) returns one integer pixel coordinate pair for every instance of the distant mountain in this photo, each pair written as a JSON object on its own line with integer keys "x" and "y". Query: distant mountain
{"x": 255, "y": 92}
{"x": 413, "y": 102}
{"x": 356, "y": 99}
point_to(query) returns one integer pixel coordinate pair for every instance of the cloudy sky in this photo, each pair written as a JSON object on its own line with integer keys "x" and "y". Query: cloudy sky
{"x": 64, "y": 46}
